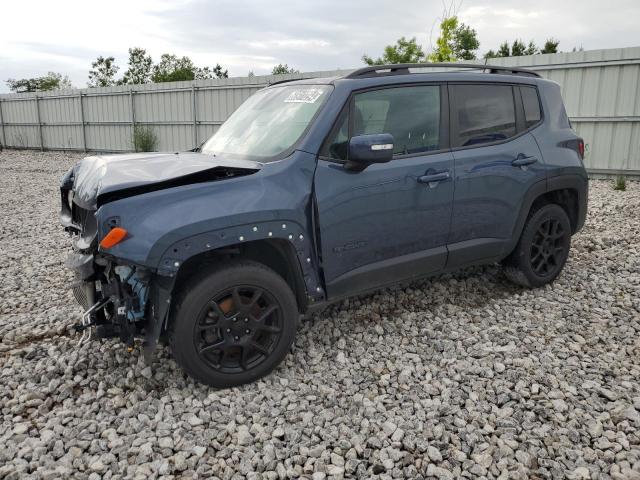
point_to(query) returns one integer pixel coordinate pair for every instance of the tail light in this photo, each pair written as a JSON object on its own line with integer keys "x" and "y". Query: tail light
{"x": 581, "y": 148}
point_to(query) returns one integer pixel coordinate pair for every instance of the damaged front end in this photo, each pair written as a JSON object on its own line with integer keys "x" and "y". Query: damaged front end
{"x": 119, "y": 299}
{"x": 127, "y": 296}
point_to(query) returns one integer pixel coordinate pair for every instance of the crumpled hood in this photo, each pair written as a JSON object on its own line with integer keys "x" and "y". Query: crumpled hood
{"x": 103, "y": 176}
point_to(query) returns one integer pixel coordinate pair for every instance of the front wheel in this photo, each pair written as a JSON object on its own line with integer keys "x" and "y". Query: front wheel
{"x": 234, "y": 325}
{"x": 542, "y": 250}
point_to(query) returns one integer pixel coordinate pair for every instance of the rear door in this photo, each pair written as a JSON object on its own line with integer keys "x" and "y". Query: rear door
{"x": 384, "y": 224}
{"x": 496, "y": 161}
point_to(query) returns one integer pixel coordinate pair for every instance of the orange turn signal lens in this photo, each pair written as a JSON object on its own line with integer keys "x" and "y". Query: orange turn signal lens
{"x": 114, "y": 237}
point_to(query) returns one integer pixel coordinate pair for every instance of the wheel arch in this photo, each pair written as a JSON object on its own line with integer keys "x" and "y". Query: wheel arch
{"x": 277, "y": 254}
{"x": 568, "y": 191}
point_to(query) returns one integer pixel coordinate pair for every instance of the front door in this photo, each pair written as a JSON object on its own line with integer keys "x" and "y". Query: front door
{"x": 388, "y": 222}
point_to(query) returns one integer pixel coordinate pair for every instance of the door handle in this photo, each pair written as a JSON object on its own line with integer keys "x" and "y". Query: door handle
{"x": 434, "y": 177}
{"x": 523, "y": 161}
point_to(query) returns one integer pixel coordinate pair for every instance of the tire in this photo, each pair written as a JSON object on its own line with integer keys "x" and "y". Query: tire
{"x": 542, "y": 250}
{"x": 234, "y": 324}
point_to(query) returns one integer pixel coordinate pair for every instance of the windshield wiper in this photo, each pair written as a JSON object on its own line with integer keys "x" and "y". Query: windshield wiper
{"x": 198, "y": 148}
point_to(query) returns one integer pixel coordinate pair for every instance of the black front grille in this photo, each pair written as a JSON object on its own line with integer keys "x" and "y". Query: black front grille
{"x": 85, "y": 219}
{"x": 79, "y": 215}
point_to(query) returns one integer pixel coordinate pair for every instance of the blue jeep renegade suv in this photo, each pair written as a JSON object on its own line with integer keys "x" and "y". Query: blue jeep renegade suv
{"x": 315, "y": 190}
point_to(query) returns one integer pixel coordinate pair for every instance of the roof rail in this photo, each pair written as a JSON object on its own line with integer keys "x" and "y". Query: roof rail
{"x": 277, "y": 82}
{"x": 403, "y": 68}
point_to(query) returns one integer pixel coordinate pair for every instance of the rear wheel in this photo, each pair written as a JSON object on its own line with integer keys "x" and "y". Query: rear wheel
{"x": 543, "y": 248}
{"x": 234, "y": 325}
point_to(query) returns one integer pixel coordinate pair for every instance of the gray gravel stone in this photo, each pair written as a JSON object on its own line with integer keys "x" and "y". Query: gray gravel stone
{"x": 462, "y": 375}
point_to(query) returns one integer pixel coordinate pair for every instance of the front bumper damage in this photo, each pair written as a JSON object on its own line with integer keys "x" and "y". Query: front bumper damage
{"x": 120, "y": 300}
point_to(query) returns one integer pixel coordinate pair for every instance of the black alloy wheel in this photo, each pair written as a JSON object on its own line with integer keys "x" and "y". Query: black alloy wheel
{"x": 542, "y": 249}
{"x": 548, "y": 247}
{"x": 233, "y": 324}
{"x": 238, "y": 329}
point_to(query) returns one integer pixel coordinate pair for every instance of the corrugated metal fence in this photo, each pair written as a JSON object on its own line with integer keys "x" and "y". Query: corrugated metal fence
{"x": 600, "y": 89}
{"x": 601, "y": 92}
{"x": 182, "y": 114}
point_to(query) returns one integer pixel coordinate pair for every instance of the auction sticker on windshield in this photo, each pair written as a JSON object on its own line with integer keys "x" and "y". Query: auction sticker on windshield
{"x": 304, "y": 95}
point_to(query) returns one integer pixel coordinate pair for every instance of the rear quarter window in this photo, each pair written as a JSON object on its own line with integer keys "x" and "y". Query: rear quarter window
{"x": 531, "y": 104}
{"x": 555, "y": 112}
{"x": 482, "y": 114}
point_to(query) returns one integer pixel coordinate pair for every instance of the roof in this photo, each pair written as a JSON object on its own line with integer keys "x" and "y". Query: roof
{"x": 407, "y": 68}
{"x": 414, "y": 73}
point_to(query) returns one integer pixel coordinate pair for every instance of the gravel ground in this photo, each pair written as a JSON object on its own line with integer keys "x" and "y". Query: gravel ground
{"x": 462, "y": 375}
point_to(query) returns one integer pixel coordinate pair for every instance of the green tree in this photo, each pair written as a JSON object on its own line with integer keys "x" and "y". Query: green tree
{"x": 140, "y": 65}
{"x": 282, "y": 69}
{"x": 50, "y": 81}
{"x": 531, "y": 49}
{"x": 103, "y": 72}
{"x": 456, "y": 42}
{"x": 445, "y": 48}
{"x": 518, "y": 48}
{"x": 215, "y": 72}
{"x": 490, "y": 54}
{"x": 404, "y": 51}
{"x": 173, "y": 69}
{"x": 550, "y": 46}
{"x": 465, "y": 43}
{"x": 503, "y": 50}
{"x": 22, "y": 85}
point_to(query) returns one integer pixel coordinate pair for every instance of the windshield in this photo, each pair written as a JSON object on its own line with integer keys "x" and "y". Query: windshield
{"x": 269, "y": 122}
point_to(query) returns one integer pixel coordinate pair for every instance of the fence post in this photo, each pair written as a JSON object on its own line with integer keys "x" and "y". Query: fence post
{"x": 195, "y": 116}
{"x": 39, "y": 123}
{"x": 133, "y": 119}
{"x": 84, "y": 133}
{"x": 4, "y": 139}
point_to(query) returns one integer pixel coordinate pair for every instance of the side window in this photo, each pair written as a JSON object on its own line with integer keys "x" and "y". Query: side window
{"x": 482, "y": 114}
{"x": 531, "y": 105}
{"x": 410, "y": 114}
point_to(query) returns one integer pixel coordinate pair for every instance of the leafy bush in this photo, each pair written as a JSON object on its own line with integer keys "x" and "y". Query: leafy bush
{"x": 620, "y": 183}
{"x": 144, "y": 139}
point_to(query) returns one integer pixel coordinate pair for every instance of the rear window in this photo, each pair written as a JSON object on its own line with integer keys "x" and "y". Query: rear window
{"x": 531, "y": 106}
{"x": 482, "y": 114}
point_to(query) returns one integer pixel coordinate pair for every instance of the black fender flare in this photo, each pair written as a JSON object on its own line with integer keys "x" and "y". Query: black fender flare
{"x": 542, "y": 187}
{"x": 302, "y": 244}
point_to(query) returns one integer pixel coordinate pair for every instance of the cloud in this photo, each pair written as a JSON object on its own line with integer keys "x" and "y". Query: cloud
{"x": 258, "y": 34}
{"x": 290, "y": 44}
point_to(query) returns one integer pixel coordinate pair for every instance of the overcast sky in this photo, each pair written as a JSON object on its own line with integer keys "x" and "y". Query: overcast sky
{"x": 42, "y": 35}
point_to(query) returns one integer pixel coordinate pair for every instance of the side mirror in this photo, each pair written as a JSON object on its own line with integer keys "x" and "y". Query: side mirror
{"x": 367, "y": 149}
